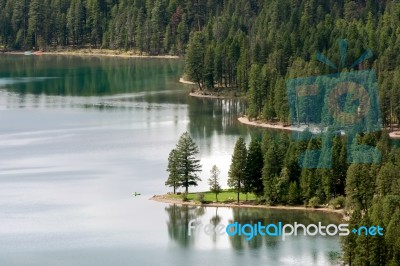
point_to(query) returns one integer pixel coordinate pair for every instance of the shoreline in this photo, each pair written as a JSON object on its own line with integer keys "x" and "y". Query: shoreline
{"x": 244, "y": 120}
{"x": 98, "y": 52}
{"x": 394, "y": 135}
{"x": 184, "y": 81}
{"x": 211, "y": 95}
{"x": 196, "y": 94}
{"x": 166, "y": 200}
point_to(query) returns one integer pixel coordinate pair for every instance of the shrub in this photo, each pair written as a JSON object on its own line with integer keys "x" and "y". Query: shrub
{"x": 314, "y": 202}
{"x": 229, "y": 200}
{"x": 260, "y": 201}
{"x": 184, "y": 197}
{"x": 200, "y": 197}
{"x": 338, "y": 203}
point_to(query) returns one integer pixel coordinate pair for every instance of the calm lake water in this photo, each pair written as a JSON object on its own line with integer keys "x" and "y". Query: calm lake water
{"x": 79, "y": 135}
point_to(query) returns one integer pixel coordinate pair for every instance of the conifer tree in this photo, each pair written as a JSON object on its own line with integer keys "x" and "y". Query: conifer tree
{"x": 254, "y": 164}
{"x": 194, "y": 63}
{"x": 213, "y": 181}
{"x": 237, "y": 170}
{"x": 173, "y": 178}
{"x": 36, "y": 17}
{"x": 189, "y": 165}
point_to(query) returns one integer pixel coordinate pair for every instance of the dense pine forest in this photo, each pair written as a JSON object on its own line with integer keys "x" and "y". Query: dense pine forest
{"x": 145, "y": 26}
{"x": 248, "y": 46}
{"x": 370, "y": 193}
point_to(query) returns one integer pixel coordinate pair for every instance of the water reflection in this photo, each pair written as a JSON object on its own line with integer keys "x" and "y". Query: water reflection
{"x": 85, "y": 76}
{"x": 296, "y": 248}
{"x": 178, "y": 220}
{"x": 215, "y": 221}
{"x": 210, "y": 116}
{"x": 253, "y": 216}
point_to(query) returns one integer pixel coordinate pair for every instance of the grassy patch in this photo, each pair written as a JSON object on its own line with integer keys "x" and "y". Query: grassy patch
{"x": 224, "y": 196}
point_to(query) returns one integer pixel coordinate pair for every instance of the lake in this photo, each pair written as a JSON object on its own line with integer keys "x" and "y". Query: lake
{"x": 79, "y": 135}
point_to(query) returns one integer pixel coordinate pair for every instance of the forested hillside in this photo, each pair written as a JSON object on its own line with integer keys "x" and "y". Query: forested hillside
{"x": 154, "y": 27}
{"x": 254, "y": 47}
{"x": 250, "y": 46}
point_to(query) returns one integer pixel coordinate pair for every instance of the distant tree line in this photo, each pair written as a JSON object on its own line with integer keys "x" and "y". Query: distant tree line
{"x": 145, "y": 26}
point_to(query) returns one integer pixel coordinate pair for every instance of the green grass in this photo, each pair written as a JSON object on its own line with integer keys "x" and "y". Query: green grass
{"x": 224, "y": 196}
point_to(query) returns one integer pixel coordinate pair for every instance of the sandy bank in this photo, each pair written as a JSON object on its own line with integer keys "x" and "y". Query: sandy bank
{"x": 99, "y": 52}
{"x": 395, "y": 135}
{"x": 168, "y": 200}
{"x": 246, "y": 121}
{"x": 184, "y": 81}
{"x": 196, "y": 94}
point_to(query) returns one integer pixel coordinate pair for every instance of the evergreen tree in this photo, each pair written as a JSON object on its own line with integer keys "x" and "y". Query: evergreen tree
{"x": 339, "y": 165}
{"x": 310, "y": 181}
{"x": 173, "y": 178}
{"x": 293, "y": 194}
{"x": 140, "y": 31}
{"x": 194, "y": 63}
{"x": 36, "y": 17}
{"x": 213, "y": 181}
{"x": 237, "y": 170}
{"x": 270, "y": 173}
{"x": 254, "y": 94}
{"x": 75, "y": 20}
{"x": 209, "y": 68}
{"x": 182, "y": 34}
{"x": 254, "y": 164}
{"x": 360, "y": 186}
{"x": 388, "y": 180}
{"x": 95, "y": 23}
{"x": 242, "y": 67}
{"x": 188, "y": 165}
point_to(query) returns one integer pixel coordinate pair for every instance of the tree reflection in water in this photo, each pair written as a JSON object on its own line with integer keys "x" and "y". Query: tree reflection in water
{"x": 253, "y": 216}
{"x": 179, "y": 217}
{"x": 209, "y": 116}
{"x": 215, "y": 220}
